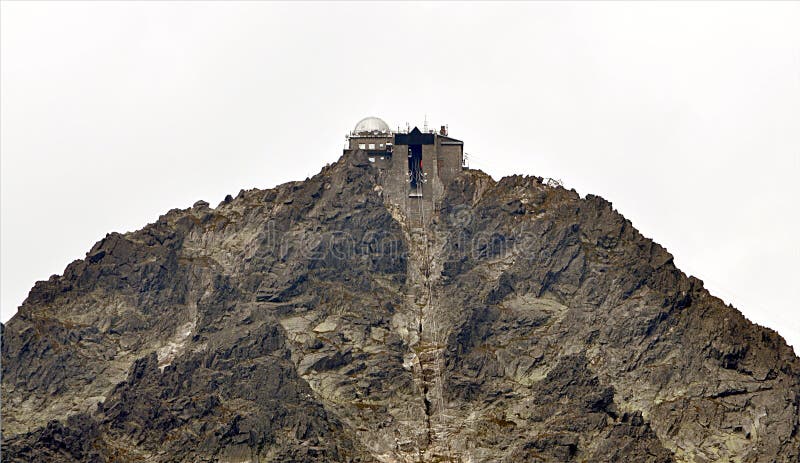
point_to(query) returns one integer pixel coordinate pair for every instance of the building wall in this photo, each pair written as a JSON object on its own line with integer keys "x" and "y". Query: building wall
{"x": 381, "y": 161}
{"x": 394, "y": 179}
{"x": 429, "y": 170}
{"x": 377, "y": 141}
{"x": 451, "y": 158}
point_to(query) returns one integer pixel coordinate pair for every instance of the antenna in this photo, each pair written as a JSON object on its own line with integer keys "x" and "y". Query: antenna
{"x": 425, "y": 124}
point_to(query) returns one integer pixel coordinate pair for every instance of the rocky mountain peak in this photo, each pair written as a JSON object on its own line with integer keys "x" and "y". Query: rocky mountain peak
{"x": 341, "y": 319}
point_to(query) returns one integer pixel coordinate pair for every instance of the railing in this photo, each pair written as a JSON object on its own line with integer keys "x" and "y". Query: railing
{"x": 553, "y": 182}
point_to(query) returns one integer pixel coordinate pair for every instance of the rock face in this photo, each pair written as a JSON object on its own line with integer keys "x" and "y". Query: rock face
{"x": 315, "y": 322}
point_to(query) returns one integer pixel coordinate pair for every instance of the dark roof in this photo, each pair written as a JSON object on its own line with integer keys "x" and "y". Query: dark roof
{"x": 415, "y": 137}
{"x": 450, "y": 141}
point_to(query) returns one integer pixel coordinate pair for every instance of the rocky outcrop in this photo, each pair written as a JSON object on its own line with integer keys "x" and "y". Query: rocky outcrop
{"x": 315, "y": 322}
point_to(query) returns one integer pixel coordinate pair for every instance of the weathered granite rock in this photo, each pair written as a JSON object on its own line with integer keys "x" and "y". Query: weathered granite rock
{"x": 314, "y": 322}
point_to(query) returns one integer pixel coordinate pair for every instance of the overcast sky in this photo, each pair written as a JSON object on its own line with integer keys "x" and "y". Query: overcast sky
{"x": 686, "y": 116}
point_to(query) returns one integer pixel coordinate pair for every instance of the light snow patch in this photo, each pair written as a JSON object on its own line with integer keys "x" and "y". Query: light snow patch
{"x": 174, "y": 346}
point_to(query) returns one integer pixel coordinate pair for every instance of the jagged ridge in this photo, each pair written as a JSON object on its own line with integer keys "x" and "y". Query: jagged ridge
{"x": 315, "y": 322}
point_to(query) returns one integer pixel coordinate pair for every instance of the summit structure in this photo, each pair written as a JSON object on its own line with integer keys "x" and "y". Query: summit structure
{"x": 415, "y": 165}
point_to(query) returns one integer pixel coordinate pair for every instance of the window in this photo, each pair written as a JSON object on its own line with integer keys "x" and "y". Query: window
{"x": 372, "y": 146}
{"x": 362, "y": 146}
{"x": 381, "y": 145}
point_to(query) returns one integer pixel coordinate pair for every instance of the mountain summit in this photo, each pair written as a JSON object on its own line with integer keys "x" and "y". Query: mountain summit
{"x": 396, "y": 307}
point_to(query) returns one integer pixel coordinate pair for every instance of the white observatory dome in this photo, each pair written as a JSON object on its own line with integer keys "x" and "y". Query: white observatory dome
{"x": 371, "y": 126}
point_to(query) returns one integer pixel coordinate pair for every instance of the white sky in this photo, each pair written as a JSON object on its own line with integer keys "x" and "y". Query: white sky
{"x": 686, "y": 116}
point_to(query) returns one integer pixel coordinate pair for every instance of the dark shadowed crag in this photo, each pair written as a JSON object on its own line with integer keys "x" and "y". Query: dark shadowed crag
{"x": 396, "y": 307}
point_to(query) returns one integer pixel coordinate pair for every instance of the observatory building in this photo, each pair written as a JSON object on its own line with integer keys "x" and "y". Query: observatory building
{"x": 415, "y": 165}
